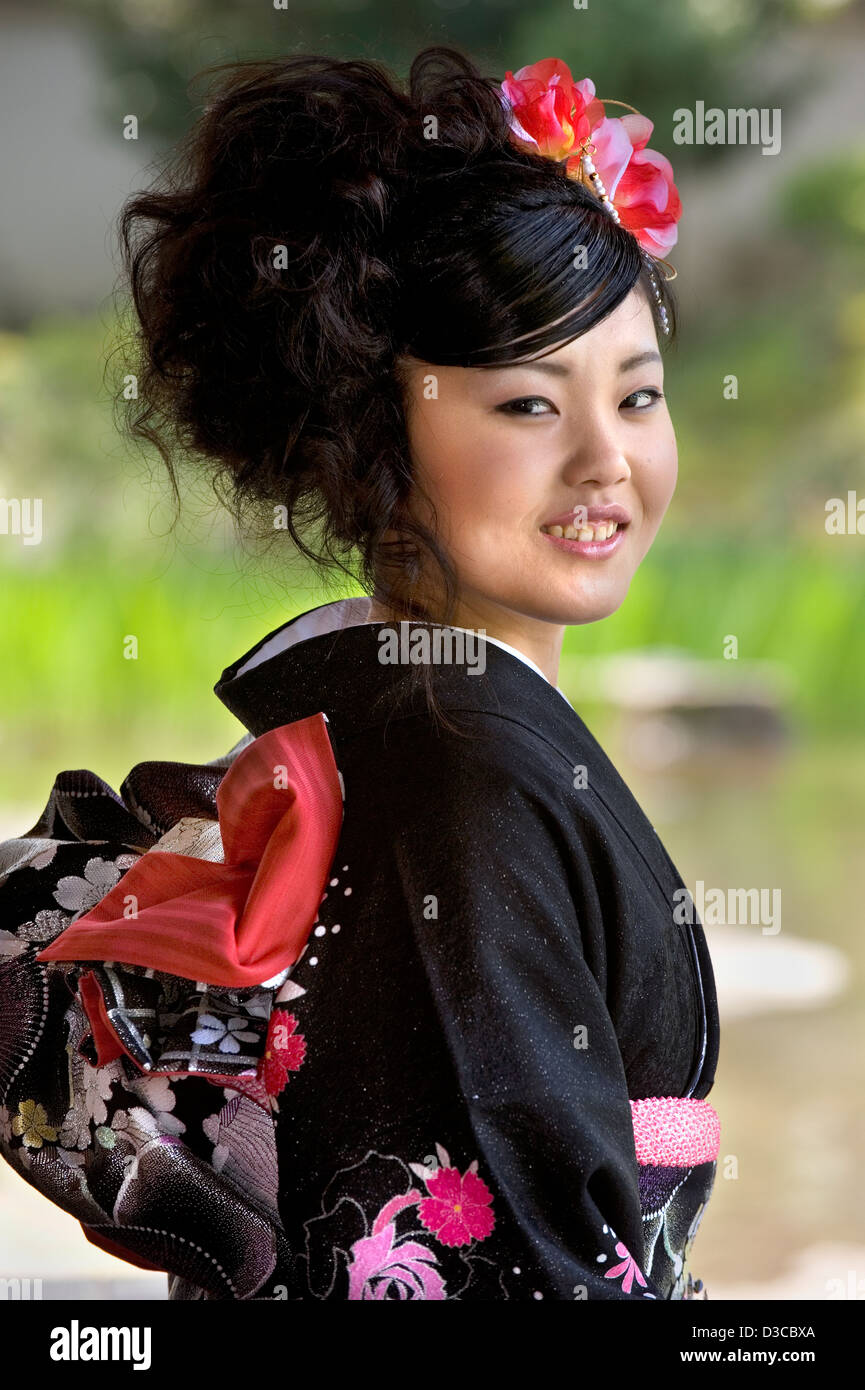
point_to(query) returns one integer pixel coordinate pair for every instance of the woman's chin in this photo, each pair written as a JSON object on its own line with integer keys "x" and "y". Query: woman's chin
{"x": 577, "y": 609}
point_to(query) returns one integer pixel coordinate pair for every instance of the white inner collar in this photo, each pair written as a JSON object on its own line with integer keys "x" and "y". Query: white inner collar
{"x": 330, "y": 617}
{"x": 350, "y": 612}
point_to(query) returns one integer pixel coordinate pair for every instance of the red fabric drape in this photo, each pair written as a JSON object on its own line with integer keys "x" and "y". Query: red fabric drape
{"x": 244, "y": 921}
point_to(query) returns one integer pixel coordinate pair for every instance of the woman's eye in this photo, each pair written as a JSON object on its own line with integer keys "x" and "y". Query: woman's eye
{"x": 650, "y": 396}
{"x": 521, "y": 405}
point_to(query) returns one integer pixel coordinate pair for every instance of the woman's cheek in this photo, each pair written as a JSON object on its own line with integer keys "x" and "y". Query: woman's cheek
{"x": 661, "y": 472}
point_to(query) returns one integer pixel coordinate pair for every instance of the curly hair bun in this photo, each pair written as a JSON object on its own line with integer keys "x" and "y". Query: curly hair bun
{"x": 256, "y": 261}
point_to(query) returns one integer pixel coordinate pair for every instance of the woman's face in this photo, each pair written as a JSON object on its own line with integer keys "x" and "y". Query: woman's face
{"x": 507, "y": 453}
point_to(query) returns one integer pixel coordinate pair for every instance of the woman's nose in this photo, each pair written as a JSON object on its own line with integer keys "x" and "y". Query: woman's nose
{"x": 597, "y": 456}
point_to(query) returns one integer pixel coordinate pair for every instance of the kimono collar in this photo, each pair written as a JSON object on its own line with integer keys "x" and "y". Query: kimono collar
{"x": 305, "y": 664}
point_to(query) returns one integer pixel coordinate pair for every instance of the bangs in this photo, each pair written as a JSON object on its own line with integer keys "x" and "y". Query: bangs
{"x": 494, "y": 278}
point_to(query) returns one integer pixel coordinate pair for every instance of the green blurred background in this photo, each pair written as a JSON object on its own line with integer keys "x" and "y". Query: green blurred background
{"x": 770, "y": 285}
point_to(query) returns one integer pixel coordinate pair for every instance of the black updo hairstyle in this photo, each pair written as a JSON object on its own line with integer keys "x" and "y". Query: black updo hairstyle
{"x": 399, "y": 235}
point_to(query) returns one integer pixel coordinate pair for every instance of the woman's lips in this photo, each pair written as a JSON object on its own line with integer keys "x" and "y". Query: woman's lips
{"x": 598, "y": 548}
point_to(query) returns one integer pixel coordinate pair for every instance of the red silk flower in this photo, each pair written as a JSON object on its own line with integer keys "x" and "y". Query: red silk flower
{"x": 550, "y": 112}
{"x": 244, "y": 921}
{"x": 553, "y": 115}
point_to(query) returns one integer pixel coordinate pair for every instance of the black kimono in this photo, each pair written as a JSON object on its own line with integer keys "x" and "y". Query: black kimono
{"x": 443, "y": 1031}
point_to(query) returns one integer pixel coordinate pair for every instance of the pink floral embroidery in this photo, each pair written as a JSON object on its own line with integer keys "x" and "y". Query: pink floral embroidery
{"x": 283, "y": 1053}
{"x": 458, "y": 1210}
{"x": 628, "y": 1267}
{"x": 379, "y": 1263}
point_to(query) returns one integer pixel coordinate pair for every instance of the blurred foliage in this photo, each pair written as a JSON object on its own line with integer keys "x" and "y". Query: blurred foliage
{"x": 835, "y": 221}
{"x": 70, "y": 698}
{"x": 673, "y": 49}
{"x": 743, "y": 550}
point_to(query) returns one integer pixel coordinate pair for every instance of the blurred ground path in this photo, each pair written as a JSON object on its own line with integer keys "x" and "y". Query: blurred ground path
{"x": 819, "y": 1273}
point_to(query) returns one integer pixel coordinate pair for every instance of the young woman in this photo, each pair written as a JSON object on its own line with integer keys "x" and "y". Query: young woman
{"x": 402, "y": 997}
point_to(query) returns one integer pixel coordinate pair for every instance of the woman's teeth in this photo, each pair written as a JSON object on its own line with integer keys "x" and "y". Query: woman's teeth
{"x": 596, "y": 532}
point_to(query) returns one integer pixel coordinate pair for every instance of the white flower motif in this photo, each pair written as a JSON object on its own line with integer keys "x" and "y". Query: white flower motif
{"x": 155, "y": 1091}
{"x": 75, "y": 1130}
{"x": 45, "y": 925}
{"x": 226, "y": 1035}
{"x": 78, "y": 894}
{"x": 97, "y": 1082}
{"x": 159, "y": 1098}
{"x": 153, "y": 1125}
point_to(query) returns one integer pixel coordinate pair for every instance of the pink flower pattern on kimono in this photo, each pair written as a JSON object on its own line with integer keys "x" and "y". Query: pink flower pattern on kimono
{"x": 379, "y": 1262}
{"x": 458, "y": 1210}
{"x": 629, "y": 1268}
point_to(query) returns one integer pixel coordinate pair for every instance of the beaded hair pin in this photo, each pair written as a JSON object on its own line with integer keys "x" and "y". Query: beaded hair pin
{"x": 661, "y": 308}
{"x": 551, "y": 114}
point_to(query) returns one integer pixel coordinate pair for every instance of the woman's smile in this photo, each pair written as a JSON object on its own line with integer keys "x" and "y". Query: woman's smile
{"x": 593, "y": 543}
{"x": 594, "y": 532}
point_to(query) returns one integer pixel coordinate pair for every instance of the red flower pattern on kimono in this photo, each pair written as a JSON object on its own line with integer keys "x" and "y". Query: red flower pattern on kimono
{"x": 284, "y": 1052}
{"x": 458, "y": 1210}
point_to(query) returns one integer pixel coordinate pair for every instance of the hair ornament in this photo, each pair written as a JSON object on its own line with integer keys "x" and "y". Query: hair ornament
{"x": 555, "y": 116}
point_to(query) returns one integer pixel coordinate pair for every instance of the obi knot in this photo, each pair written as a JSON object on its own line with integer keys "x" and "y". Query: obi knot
{"x": 240, "y": 923}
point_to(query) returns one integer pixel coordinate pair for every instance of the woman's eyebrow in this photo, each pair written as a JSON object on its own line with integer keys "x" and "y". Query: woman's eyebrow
{"x": 559, "y": 369}
{"x": 638, "y": 360}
